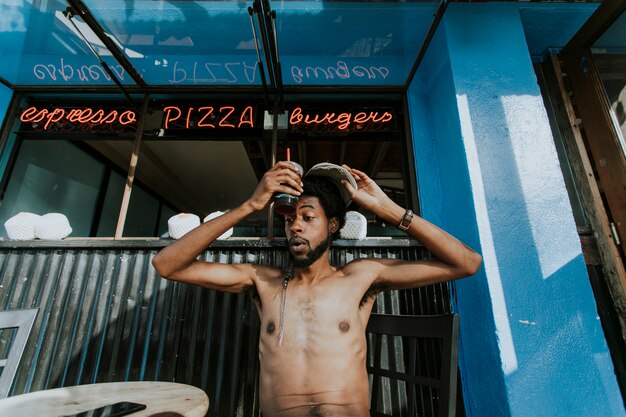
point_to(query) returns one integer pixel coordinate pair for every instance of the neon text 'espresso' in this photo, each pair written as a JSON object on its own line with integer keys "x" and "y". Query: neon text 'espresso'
{"x": 85, "y": 115}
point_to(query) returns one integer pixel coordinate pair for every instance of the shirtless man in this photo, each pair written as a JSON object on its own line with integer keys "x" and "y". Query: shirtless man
{"x": 313, "y": 355}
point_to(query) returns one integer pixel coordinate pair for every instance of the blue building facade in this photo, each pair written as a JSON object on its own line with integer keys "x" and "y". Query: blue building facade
{"x": 494, "y": 157}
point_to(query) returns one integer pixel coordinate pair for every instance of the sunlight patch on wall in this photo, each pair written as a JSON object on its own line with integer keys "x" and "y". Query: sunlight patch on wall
{"x": 541, "y": 181}
{"x": 490, "y": 260}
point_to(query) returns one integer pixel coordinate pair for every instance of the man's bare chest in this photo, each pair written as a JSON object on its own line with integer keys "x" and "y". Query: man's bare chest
{"x": 312, "y": 314}
{"x": 322, "y": 312}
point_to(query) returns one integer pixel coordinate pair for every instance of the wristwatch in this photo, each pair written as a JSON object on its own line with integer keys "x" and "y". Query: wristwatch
{"x": 406, "y": 220}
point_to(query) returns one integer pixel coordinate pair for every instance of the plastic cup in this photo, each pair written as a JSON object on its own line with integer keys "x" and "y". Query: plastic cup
{"x": 286, "y": 203}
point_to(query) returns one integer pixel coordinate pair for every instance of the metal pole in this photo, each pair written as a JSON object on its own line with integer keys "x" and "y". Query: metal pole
{"x": 270, "y": 214}
{"x": 131, "y": 169}
{"x": 258, "y": 56}
{"x": 85, "y": 14}
{"x": 6, "y": 83}
{"x": 441, "y": 10}
{"x": 103, "y": 64}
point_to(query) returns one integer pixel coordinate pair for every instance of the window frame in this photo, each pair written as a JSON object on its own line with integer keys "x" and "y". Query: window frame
{"x": 66, "y": 98}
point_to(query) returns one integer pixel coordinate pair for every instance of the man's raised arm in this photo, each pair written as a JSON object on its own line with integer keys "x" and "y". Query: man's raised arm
{"x": 452, "y": 259}
{"x": 178, "y": 261}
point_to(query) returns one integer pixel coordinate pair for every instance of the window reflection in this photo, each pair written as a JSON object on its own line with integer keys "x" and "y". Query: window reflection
{"x": 609, "y": 53}
{"x": 54, "y": 177}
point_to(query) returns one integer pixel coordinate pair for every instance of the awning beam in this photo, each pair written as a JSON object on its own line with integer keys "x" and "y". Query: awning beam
{"x": 80, "y": 9}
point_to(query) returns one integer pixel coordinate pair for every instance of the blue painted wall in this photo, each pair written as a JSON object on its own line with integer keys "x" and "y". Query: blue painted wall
{"x": 531, "y": 340}
{"x": 5, "y": 99}
{"x": 446, "y": 200}
{"x": 6, "y": 94}
{"x": 549, "y": 26}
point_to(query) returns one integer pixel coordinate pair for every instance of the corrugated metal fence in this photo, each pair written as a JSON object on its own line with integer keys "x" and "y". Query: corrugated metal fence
{"x": 105, "y": 315}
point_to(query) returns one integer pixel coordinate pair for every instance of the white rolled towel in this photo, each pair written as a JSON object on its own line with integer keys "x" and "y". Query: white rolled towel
{"x": 181, "y": 224}
{"x": 53, "y": 226}
{"x": 213, "y": 215}
{"x": 355, "y": 227}
{"x": 22, "y": 226}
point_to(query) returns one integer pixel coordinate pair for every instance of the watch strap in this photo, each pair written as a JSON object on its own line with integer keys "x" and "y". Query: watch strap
{"x": 406, "y": 220}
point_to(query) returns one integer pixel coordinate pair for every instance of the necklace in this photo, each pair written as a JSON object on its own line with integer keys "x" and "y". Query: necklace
{"x": 283, "y": 300}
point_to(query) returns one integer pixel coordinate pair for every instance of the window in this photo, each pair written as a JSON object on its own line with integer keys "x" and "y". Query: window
{"x": 609, "y": 55}
{"x": 54, "y": 177}
{"x": 196, "y": 156}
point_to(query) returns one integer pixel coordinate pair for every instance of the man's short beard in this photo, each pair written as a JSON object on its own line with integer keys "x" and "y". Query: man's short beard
{"x": 312, "y": 256}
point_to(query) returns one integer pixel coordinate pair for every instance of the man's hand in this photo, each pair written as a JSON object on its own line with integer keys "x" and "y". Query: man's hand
{"x": 452, "y": 259}
{"x": 282, "y": 178}
{"x": 179, "y": 262}
{"x": 368, "y": 194}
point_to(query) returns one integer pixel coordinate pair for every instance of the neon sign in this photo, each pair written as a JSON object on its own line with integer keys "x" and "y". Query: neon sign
{"x": 208, "y": 116}
{"x": 343, "y": 121}
{"x": 78, "y": 116}
{"x": 88, "y": 118}
{"x": 202, "y": 117}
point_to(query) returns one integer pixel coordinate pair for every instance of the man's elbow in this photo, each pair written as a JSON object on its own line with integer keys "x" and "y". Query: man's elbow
{"x": 472, "y": 264}
{"x": 161, "y": 267}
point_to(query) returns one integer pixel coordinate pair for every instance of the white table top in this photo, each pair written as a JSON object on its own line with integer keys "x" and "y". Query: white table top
{"x": 158, "y": 397}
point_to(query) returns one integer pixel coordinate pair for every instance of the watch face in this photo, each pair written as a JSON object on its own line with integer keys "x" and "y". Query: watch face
{"x": 406, "y": 220}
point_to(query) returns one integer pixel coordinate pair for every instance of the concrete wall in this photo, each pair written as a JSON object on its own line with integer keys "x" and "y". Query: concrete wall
{"x": 531, "y": 340}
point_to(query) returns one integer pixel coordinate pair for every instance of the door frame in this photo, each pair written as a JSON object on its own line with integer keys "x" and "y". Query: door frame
{"x": 598, "y": 160}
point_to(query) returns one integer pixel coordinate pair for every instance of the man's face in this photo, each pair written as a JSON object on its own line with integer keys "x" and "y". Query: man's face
{"x": 308, "y": 232}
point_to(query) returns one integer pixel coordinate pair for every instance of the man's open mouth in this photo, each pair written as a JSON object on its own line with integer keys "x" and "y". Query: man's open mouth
{"x": 297, "y": 243}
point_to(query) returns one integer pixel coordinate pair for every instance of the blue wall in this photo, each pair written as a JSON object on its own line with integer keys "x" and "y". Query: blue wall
{"x": 531, "y": 340}
{"x": 5, "y": 99}
{"x": 6, "y": 94}
{"x": 445, "y": 196}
